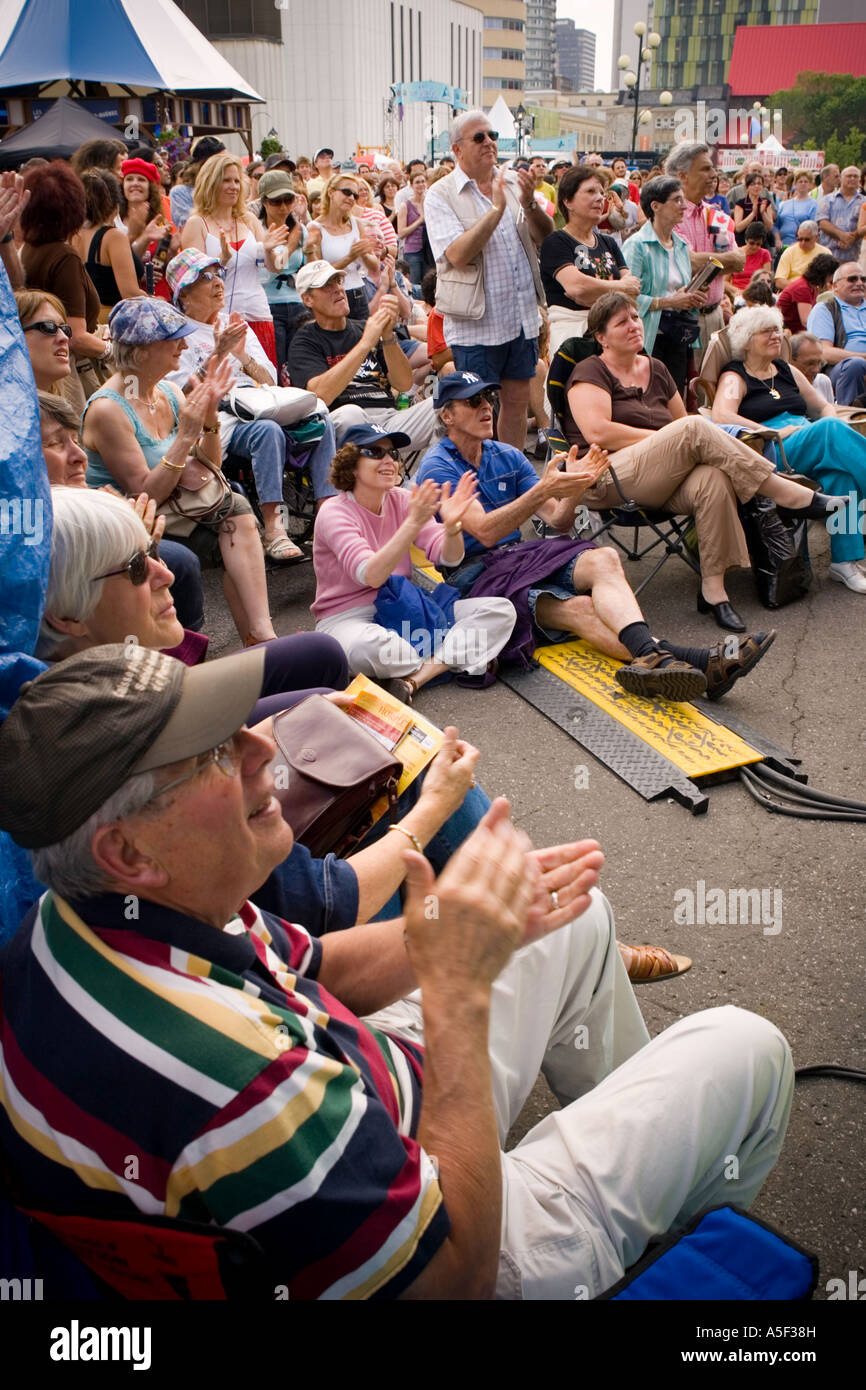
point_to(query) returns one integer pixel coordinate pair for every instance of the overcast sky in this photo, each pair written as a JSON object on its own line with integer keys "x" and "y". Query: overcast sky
{"x": 597, "y": 16}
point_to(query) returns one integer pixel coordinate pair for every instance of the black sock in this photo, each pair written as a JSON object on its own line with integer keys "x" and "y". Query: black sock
{"x": 694, "y": 656}
{"x": 638, "y": 640}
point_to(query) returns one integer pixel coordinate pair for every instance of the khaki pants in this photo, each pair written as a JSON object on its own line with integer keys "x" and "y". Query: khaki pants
{"x": 691, "y": 468}
{"x": 710, "y": 323}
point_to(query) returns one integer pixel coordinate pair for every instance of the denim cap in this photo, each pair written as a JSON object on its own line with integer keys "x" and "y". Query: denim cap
{"x": 185, "y": 268}
{"x": 458, "y": 385}
{"x": 373, "y": 434}
{"x": 140, "y": 321}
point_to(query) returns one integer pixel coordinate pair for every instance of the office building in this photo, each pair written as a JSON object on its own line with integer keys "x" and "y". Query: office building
{"x": 698, "y": 35}
{"x": 326, "y": 68}
{"x": 540, "y": 43}
{"x": 504, "y": 51}
{"x": 575, "y": 55}
{"x": 626, "y": 14}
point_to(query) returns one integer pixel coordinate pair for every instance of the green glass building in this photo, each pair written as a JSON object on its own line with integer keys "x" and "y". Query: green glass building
{"x": 698, "y": 35}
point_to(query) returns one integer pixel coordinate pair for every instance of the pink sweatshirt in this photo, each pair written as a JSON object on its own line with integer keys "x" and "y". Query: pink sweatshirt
{"x": 347, "y": 536}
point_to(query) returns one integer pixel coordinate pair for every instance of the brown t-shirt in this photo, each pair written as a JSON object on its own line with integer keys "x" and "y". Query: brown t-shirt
{"x": 643, "y": 410}
{"x": 57, "y": 269}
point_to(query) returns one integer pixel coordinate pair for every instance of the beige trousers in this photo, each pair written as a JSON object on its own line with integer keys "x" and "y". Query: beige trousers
{"x": 691, "y": 468}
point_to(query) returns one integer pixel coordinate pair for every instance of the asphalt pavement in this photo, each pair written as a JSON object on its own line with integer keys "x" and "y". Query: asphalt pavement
{"x": 808, "y": 694}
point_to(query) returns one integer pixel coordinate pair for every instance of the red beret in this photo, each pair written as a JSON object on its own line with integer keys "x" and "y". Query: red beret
{"x": 140, "y": 166}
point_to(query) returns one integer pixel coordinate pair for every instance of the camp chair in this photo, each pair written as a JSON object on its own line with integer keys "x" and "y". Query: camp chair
{"x": 715, "y": 357}
{"x": 667, "y": 532}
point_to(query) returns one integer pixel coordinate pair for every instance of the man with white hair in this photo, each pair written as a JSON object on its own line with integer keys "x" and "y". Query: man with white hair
{"x": 841, "y": 217}
{"x": 840, "y": 325}
{"x": 484, "y": 228}
{"x": 708, "y": 231}
{"x": 265, "y": 1080}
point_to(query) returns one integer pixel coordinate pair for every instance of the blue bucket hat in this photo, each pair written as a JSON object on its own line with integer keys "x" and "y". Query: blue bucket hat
{"x": 140, "y": 321}
{"x": 457, "y": 386}
{"x": 373, "y": 434}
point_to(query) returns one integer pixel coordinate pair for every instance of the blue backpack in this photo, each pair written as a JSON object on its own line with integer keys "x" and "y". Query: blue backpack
{"x": 722, "y": 1255}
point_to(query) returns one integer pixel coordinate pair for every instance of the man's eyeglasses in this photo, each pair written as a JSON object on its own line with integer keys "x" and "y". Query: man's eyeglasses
{"x": 49, "y": 328}
{"x": 481, "y": 135}
{"x": 482, "y": 398}
{"x": 376, "y": 451}
{"x": 855, "y": 279}
{"x": 224, "y": 756}
{"x": 348, "y": 193}
{"x": 136, "y": 568}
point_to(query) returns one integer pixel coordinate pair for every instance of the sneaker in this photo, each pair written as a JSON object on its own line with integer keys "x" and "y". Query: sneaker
{"x": 847, "y": 572}
{"x": 723, "y": 670}
{"x": 674, "y": 680}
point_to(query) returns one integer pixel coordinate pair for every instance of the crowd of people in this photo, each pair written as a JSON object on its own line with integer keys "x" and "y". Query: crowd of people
{"x": 295, "y": 1045}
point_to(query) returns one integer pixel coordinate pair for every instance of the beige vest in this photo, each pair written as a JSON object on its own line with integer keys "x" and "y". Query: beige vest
{"x": 460, "y": 289}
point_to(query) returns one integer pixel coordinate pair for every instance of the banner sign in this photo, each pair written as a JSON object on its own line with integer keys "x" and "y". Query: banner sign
{"x": 105, "y": 110}
{"x": 431, "y": 92}
{"x": 810, "y": 160}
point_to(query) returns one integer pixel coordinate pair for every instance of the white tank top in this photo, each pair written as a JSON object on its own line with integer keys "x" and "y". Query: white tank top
{"x": 335, "y": 248}
{"x": 244, "y": 291}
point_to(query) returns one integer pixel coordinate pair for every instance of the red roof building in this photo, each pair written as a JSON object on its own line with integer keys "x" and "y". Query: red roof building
{"x": 769, "y": 57}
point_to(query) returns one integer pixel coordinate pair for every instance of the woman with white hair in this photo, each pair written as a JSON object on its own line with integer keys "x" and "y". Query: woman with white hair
{"x": 108, "y": 583}
{"x": 759, "y": 387}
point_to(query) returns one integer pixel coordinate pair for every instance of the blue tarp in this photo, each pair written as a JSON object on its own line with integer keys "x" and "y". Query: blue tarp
{"x": 25, "y": 542}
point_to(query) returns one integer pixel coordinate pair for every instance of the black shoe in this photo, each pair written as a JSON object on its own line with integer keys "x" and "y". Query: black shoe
{"x": 820, "y": 507}
{"x": 726, "y": 616}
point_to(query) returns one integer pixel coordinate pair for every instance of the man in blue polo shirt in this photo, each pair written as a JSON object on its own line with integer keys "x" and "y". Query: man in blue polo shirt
{"x": 841, "y": 327}
{"x": 563, "y": 587}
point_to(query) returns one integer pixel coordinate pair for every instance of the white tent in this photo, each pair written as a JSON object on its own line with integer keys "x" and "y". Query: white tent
{"x": 501, "y": 119}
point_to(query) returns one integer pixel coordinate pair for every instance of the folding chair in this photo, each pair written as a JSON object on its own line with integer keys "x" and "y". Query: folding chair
{"x": 668, "y": 532}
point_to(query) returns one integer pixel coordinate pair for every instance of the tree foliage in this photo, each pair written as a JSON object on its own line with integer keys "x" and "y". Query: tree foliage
{"x": 827, "y": 110}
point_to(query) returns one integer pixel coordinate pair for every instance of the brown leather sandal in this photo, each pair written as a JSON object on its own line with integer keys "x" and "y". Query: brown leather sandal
{"x": 723, "y": 671}
{"x": 404, "y": 688}
{"x": 651, "y": 963}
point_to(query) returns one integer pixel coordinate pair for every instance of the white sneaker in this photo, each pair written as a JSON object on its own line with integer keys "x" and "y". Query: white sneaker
{"x": 849, "y": 574}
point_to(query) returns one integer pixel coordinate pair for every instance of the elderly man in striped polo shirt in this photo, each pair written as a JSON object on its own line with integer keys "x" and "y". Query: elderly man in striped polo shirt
{"x": 287, "y": 1087}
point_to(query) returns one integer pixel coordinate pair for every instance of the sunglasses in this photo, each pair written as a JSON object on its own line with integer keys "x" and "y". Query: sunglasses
{"x": 482, "y": 398}
{"x": 208, "y": 275}
{"x": 348, "y": 192}
{"x": 283, "y": 198}
{"x": 377, "y": 451}
{"x": 224, "y": 756}
{"x": 136, "y": 568}
{"x": 481, "y": 135}
{"x": 855, "y": 279}
{"x": 49, "y": 328}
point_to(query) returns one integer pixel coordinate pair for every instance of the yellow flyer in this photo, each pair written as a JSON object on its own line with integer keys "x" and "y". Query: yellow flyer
{"x": 412, "y": 739}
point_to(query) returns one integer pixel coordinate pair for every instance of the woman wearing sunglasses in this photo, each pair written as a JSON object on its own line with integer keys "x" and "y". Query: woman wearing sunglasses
{"x": 277, "y": 193}
{"x": 108, "y": 583}
{"x": 344, "y": 243}
{"x": 363, "y": 539}
{"x": 47, "y": 334}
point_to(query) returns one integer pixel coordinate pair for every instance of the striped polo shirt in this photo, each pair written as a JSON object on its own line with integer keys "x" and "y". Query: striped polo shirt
{"x": 151, "y": 1063}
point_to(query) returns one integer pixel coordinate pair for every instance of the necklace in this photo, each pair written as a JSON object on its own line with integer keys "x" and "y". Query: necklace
{"x": 777, "y": 396}
{"x": 151, "y": 409}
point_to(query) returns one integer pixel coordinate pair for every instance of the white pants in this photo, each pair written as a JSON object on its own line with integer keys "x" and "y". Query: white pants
{"x": 481, "y": 629}
{"x": 418, "y": 421}
{"x": 649, "y": 1132}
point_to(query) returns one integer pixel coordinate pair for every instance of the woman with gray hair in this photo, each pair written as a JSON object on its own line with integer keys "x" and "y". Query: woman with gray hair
{"x": 759, "y": 387}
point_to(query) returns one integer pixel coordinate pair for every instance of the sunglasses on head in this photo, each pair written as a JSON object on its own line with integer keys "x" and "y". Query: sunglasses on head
{"x": 481, "y": 135}
{"x": 376, "y": 451}
{"x": 481, "y": 398}
{"x": 49, "y": 328}
{"x": 348, "y": 192}
{"x": 136, "y": 568}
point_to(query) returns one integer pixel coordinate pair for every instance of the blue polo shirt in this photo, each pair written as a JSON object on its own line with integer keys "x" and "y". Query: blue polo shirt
{"x": 820, "y": 322}
{"x": 504, "y": 474}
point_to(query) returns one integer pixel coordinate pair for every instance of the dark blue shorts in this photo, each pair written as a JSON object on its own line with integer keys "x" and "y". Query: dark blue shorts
{"x": 513, "y": 361}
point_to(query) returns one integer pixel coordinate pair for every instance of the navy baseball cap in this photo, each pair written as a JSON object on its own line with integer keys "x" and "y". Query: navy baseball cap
{"x": 373, "y": 434}
{"x": 456, "y": 386}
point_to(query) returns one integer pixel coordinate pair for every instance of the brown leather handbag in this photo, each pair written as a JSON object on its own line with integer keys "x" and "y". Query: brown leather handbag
{"x": 329, "y": 772}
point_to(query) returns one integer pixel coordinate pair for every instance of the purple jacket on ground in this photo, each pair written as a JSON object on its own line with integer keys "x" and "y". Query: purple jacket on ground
{"x": 510, "y": 571}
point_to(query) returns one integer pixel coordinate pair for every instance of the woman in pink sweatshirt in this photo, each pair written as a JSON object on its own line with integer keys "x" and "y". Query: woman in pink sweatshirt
{"x": 363, "y": 537}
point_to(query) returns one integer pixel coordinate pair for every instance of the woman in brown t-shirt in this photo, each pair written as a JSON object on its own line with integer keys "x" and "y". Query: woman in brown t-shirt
{"x": 55, "y": 212}
{"x": 627, "y": 403}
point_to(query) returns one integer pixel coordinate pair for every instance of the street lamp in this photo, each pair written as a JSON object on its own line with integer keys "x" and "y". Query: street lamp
{"x": 519, "y": 127}
{"x": 632, "y": 75}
